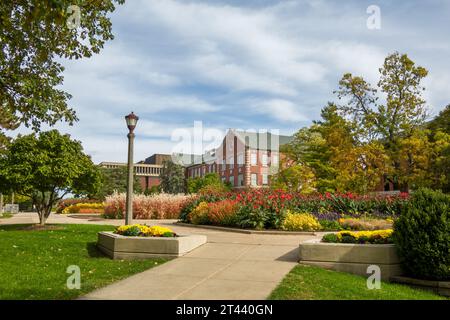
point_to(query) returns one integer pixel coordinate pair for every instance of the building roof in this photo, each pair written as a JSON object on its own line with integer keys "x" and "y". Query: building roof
{"x": 262, "y": 140}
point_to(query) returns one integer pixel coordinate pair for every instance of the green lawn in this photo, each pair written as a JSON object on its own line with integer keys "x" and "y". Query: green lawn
{"x": 5, "y": 215}
{"x": 33, "y": 264}
{"x": 314, "y": 283}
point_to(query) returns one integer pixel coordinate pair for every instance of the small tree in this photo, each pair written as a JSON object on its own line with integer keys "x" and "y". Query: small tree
{"x": 47, "y": 167}
{"x": 210, "y": 179}
{"x": 115, "y": 179}
{"x": 172, "y": 178}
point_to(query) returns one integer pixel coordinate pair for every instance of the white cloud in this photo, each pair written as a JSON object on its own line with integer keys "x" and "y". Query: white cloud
{"x": 230, "y": 64}
{"x": 282, "y": 110}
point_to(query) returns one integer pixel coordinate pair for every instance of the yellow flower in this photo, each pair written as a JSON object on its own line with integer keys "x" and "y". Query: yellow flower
{"x": 146, "y": 231}
{"x": 300, "y": 222}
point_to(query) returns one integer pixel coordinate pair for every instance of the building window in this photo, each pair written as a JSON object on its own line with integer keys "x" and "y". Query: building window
{"x": 240, "y": 180}
{"x": 231, "y": 161}
{"x": 254, "y": 179}
{"x": 253, "y": 159}
{"x": 275, "y": 160}
{"x": 240, "y": 159}
{"x": 264, "y": 159}
{"x": 265, "y": 179}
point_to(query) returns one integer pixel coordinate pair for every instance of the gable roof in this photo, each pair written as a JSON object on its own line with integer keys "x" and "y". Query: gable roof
{"x": 262, "y": 140}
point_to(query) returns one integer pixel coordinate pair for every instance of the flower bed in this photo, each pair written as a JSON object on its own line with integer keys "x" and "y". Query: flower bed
{"x": 139, "y": 230}
{"x": 63, "y": 204}
{"x": 361, "y": 237}
{"x": 142, "y": 242}
{"x": 84, "y": 208}
{"x": 269, "y": 209}
{"x": 158, "y": 206}
{"x": 353, "y": 258}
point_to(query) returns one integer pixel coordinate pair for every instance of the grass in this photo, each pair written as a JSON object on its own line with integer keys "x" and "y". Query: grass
{"x": 34, "y": 262}
{"x": 314, "y": 283}
{"x": 5, "y": 215}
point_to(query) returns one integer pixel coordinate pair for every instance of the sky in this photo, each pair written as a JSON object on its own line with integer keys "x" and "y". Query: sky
{"x": 262, "y": 65}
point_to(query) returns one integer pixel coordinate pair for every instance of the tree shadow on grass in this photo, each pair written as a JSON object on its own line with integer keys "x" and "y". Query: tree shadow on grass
{"x": 93, "y": 250}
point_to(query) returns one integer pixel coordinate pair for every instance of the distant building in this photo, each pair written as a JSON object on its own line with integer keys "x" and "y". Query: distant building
{"x": 244, "y": 159}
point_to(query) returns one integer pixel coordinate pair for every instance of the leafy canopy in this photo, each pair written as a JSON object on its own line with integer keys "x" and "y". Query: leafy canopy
{"x": 46, "y": 167}
{"x": 34, "y": 37}
{"x": 172, "y": 178}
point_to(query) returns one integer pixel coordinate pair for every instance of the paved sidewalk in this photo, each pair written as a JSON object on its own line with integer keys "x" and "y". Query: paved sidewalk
{"x": 231, "y": 266}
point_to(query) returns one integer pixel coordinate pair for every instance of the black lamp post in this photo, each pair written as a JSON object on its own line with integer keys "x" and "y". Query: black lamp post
{"x": 131, "y": 120}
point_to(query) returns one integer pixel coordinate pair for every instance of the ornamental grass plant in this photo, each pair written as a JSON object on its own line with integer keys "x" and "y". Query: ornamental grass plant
{"x": 157, "y": 206}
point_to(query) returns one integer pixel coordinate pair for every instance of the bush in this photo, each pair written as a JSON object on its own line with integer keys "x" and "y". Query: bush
{"x": 84, "y": 208}
{"x": 156, "y": 206}
{"x": 300, "y": 222}
{"x": 330, "y": 237}
{"x": 252, "y": 219}
{"x": 187, "y": 208}
{"x": 422, "y": 235}
{"x": 200, "y": 214}
{"x": 362, "y": 237}
{"x": 69, "y": 202}
{"x": 222, "y": 212}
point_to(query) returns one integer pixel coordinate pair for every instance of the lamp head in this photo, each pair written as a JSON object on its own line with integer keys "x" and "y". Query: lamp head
{"x": 131, "y": 120}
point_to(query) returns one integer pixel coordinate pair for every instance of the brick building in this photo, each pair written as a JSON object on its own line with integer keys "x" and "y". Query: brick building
{"x": 244, "y": 159}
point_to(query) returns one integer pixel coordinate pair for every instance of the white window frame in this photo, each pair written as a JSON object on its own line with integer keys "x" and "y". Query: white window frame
{"x": 254, "y": 179}
{"x": 275, "y": 160}
{"x": 240, "y": 159}
{"x": 253, "y": 159}
{"x": 264, "y": 160}
{"x": 265, "y": 179}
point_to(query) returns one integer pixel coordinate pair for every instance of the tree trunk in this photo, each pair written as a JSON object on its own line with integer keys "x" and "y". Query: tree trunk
{"x": 42, "y": 218}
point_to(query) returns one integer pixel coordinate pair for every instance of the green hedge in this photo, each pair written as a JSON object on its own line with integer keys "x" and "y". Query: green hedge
{"x": 422, "y": 234}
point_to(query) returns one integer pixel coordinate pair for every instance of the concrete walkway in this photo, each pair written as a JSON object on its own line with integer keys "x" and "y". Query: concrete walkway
{"x": 231, "y": 266}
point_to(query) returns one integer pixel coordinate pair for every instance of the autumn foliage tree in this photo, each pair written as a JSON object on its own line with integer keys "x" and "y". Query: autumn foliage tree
{"x": 365, "y": 138}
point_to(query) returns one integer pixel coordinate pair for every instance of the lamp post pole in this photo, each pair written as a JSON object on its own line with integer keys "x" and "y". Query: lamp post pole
{"x": 131, "y": 120}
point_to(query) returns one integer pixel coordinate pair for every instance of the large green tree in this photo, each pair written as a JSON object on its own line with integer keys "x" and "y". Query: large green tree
{"x": 35, "y": 35}
{"x": 46, "y": 167}
{"x": 439, "y": 135}
{"x": 441, "y": 122}
{"x": 172, "y": 178}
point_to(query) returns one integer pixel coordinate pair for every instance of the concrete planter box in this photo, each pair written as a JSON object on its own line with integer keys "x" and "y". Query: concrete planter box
{"x": 120, "y": 247}
{"x": 439, "y": 287}
{"x": 351, "y": 258}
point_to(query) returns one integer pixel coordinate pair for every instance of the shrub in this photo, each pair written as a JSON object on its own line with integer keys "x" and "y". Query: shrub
{"x": 222, "y": 212}
{"x": 330, "y": 225}
{"x": 200, "y": 214}
{"x": 213, "y": 189}
{"x": 422, "y": 235}
{"x": 155, "y": 206}
{"x": 365, "y": 224}
{"x": 300, "y": 222}
{"x": 187, "y": 208}
{"x": 139, "y": 230}
{"x": 252, "y": 219}
{"x": 330, "y": 237}
{"x": 362, "y": 237}
{"x": 68, "y": 202}
{"x": 84, "y": 208}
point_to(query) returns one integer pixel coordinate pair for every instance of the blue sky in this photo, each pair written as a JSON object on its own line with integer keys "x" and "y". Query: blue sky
{"x": 241, "y": 64}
